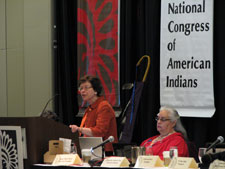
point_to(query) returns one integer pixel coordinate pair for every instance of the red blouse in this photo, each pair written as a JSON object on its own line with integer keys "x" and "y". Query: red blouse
{"x": 157, "y": 148}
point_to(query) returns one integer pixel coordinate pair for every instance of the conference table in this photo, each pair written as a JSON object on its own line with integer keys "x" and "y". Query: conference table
{"x": 120, "y": 161}
{"x": 46, "y": 166}
{"x": 85, "y": 166}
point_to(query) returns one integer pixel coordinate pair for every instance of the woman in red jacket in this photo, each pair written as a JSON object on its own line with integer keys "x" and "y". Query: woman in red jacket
{"x": 171, "y": 134}
{"x": 99, "y": 119}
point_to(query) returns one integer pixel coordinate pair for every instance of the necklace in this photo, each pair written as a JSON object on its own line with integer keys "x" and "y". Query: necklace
{"x": 160, "y": 138}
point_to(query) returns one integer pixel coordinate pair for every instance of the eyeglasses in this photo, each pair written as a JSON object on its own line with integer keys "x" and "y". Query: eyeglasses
{"x": 84, "y": 88}
{"x": 161, "y": 119}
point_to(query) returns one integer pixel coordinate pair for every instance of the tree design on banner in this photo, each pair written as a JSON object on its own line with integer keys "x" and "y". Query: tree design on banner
{"x": 97, "y": 44}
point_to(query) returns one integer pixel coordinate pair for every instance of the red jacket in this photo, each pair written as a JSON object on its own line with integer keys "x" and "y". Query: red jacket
{"x": 175, "y": 139}
{"x": 101, "y": 120}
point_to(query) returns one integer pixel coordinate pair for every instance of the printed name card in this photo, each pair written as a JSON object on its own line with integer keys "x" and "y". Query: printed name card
{"x": 148, "y": 161}
{"x": 217, "y": 164}
{"x": 115, "y": 162}
{"x": 67, "y": 159}
{"x": 183, "y": 162}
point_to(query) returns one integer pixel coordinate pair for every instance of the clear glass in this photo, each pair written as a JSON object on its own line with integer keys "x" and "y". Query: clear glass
{"x": 173, "y": 152}
{"x": 201, "y": 152}
{"x": 86, "y": 155}
{"x": 73, "y": 148}
{"x": 149, "y": 151}
{"x": 135, "y": 152}
{"x": 166, "y": 158}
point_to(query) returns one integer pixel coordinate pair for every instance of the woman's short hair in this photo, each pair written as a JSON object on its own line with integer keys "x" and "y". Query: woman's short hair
{"x": 174, "y": 116}
{"x": 95, "y": 83}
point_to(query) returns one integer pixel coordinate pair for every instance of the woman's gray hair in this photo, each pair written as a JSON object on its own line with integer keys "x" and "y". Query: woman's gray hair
{"x": 174, "y": 116}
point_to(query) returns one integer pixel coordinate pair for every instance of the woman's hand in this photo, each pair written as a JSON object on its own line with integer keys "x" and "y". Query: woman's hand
{"x": 74, "y": 128}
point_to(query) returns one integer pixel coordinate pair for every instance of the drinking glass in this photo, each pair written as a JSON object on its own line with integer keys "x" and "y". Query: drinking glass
{"x": 173, "y": 152}
{"x": 166, "y": 158}
{"x": 86, "y": 155}
{"x": 135, "y": 152}
{"x": 201, "y": 152}
{"x": 149, "y": 151}
{"x": 73, "y": 148}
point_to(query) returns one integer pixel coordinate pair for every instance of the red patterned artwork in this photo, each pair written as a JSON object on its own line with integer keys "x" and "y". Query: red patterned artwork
{"x": 97, "y": 44}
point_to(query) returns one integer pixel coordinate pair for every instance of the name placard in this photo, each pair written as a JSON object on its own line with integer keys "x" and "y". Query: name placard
{"x": 115, "y": 162}
{"x": 67, "y": 159}
{"x": 148, "y": 161}
{"x": 217, "y": 164}
{"x": 183, "y": 162}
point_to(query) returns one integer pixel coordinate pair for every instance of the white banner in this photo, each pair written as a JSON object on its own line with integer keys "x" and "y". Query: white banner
{"x": 186, "y": 61}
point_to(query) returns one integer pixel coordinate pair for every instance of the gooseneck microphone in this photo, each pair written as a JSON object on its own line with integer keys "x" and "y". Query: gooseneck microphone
{"x": 219, "y": 140}
{"x": 48, "y": 103}
{"x": 109, "y": 140}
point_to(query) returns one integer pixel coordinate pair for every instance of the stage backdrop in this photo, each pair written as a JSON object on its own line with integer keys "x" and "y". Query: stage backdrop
{"x": 186, "y": 57}
{"x": 97, "y": 44}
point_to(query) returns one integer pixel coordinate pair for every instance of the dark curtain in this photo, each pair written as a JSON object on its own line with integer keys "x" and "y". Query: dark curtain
{"x": 139, "y": 35}
{"x": 140, "y": 21}
{"x": 65, "y": 60}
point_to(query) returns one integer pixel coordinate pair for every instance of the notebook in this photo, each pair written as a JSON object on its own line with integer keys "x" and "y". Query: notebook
{"x": 89, "y": 142}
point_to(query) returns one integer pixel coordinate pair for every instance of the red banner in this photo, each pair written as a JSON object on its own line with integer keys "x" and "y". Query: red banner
{"x": 97, "y": 44}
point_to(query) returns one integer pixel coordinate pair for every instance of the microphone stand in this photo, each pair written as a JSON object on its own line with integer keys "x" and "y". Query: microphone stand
{"x": 122, "y": 118}
{"x": 48, "y": 103}
{"x": 103, "y": 152}
{"x": 126, "y": 86}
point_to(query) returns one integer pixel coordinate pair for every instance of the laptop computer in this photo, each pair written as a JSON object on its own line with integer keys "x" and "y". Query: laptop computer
{"x": 90, "y": 142}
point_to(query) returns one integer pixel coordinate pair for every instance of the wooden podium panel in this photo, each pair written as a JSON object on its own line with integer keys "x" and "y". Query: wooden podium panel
{"x": 39, "y": 131}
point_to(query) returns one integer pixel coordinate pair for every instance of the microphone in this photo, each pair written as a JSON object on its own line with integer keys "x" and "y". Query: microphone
{"x": 49, "y": 102}
{"x": 219, "y": 139}
{"x": 208, "y": 158}
{"x": 109, "y": 140}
